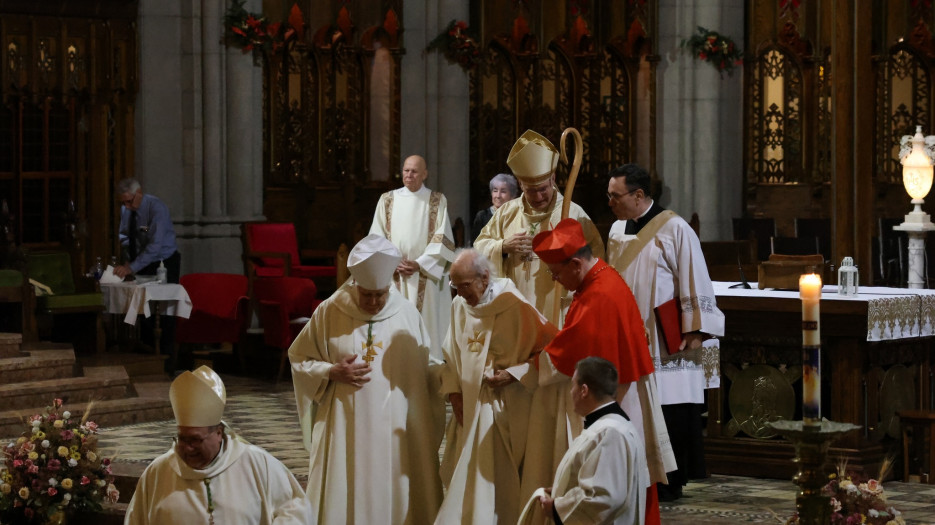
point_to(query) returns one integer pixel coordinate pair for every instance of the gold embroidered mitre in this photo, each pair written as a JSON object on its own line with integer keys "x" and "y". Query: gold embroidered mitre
{"x": 533, "y": 158}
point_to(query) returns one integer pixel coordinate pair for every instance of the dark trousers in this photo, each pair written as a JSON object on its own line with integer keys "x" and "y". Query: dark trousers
{"x": 685, "y": 433}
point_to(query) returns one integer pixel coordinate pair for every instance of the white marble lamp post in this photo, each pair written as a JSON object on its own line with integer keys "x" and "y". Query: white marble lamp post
{"x": 916, "y": 157}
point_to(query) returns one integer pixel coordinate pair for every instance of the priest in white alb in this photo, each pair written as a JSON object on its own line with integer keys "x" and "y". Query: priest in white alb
{"x": 603, "y": 477}
{"x": 365, "y": 392}
{"x": 415, "y": 219}
{"x": 659, "y": 256}
{"x": 211, "y": 475}
{"x": 507, "y": 239}
{"x": 489, "y": 379}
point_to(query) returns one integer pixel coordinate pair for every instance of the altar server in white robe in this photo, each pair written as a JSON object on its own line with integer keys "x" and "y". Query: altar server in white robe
{"x": 603, "y": 477}
{"x": 489, "y": 379}
{"x": 415, "y": 219}
{"x": 211, "y": 475}
{"x": 364, "y": 388}
{"x": 507, "y": 239}
{"x": 659, "y": 255}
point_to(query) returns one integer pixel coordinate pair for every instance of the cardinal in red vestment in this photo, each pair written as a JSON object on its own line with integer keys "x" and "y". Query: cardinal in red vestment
{"x": 603, "y": 319}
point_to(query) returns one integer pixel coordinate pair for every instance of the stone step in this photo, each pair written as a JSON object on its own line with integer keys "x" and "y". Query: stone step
{"x": 10, "y": 344}
{"x": 109, "y": 383}
{"x": 46, "y": 364}
{"x": 107, "y": 413}
{"x": 136, "y": 364}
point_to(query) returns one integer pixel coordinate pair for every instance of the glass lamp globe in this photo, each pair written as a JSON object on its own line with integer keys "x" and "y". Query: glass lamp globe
{"x": 917, "y": 170}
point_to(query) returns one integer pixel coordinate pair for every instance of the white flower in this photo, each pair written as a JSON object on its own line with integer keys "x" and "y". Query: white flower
{"x": 66, "y": 414}
{"x": 36, "y": 422}
{"x": 101, "y": 483}
{"x": 72, "y": 462}
{"x": 45, "y": 443}
{"x": 53, "y": 482}
{"x": 35, "y": 430}
{"x": 873, "y": 513}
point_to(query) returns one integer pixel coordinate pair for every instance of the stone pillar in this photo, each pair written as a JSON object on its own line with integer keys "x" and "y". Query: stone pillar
{"x": 199, "y": 129}
{"x": 699, "y": 122}
{"x": 212, "y": 73}
{"x": 434, "y": 103}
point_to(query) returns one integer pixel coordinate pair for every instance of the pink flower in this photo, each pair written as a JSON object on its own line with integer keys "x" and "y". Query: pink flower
{"x": 58, "y": 402}
{"x": 85, "y": 480}
{"x": 53, "y": 465}
{"x": 33, "y": 469}
{"x": 67, "y": 435}
{"x": 52, "y": 491}
{"x": 112, "y": 493}
{"x": 17, "y": 463}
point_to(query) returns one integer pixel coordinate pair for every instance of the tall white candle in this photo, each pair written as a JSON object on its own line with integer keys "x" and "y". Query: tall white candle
{"x": 810, "y": 292}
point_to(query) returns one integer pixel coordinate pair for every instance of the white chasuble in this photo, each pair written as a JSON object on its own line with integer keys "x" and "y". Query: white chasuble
{"x": 417, "y": 223}
{"x": 531, "y": 277}
{"x": 374, "y": 449}
{"x": 247, "y": 486}
{"x": 602, "y": 478}
{"x": 671, "y": 266}
{"x": 484, "y": 456}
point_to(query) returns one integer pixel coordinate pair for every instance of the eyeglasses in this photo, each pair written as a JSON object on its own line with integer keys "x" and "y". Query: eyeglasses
{"x": 462, "y": 286}
{"x": 617, "y": 196}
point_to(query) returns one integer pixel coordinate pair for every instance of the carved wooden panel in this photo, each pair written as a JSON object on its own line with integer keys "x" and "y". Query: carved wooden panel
{"x": 575, "y": 67}
{"x": 68, "y": 80}
{"x": 331, "y": 121}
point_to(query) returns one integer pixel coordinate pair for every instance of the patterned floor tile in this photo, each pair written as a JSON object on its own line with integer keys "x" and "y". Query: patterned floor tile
{"x": 264, "y": 413}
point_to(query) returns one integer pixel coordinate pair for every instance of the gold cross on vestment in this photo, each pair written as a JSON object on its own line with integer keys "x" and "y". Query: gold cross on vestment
{"x": 476, "y": 343}
{"x": 368, "y": 346}
{"x": 371, "y": 353}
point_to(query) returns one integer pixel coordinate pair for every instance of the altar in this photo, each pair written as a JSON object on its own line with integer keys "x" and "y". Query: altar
{"x": 877, "y": 359}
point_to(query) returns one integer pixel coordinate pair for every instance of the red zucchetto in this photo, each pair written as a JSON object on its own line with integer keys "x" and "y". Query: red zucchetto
{"x": 560, "y": 243}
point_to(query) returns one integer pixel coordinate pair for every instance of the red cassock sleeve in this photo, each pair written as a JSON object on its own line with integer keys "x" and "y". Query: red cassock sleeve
{"x": 603, "y": 321}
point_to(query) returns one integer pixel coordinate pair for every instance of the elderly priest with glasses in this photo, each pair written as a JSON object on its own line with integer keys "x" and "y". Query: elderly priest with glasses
{"x": 489, "y": 378}
{"x": 211, "y": 475}
{"x": 366, "y": 391}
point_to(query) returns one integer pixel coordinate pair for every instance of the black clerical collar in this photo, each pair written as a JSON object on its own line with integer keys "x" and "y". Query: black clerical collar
{"x": 609, "y": 408}
{"x": 635, "y": 225}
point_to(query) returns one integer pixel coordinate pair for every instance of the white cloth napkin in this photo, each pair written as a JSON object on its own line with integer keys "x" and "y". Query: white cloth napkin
{"x": 108, "y": 276}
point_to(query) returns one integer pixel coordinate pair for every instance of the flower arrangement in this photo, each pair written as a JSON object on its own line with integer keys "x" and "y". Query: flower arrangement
{"x": 858, "y": 503}
{"x": 253, "y": 32}
{"x": 715, "y": 49}
{"x": 54, "y": 469}
{"x": 456, "y": 46}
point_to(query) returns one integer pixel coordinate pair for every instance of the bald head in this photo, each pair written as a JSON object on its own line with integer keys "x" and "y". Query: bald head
{"x": 414, "y": 173}
{"x": 470, "y": 275}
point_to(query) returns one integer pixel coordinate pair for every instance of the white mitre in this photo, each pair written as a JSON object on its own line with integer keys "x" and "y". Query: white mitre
{"x": 198, "y": 398}
{"x": 533, "y": 158}
{"x": 372, "y": 262}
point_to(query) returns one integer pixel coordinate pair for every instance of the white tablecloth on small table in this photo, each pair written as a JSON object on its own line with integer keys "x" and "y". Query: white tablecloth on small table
{"x": 132, "y": 299}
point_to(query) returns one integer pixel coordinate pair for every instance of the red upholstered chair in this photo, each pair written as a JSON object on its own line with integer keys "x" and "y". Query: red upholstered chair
{"x": 219, "y": 309}
{"x": 285, "y": 304}
{"x": 271, "y": 250}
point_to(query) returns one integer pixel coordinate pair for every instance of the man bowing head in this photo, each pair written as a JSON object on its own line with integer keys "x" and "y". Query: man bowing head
{"x": 367, "y": 394}
{"x": 603, "y": 321}
{"x": 211, "y": 475}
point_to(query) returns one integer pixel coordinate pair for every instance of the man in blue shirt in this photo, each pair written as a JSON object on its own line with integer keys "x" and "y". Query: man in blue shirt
{"x": 146, "y": 233}
{"x": 148, "y": 238}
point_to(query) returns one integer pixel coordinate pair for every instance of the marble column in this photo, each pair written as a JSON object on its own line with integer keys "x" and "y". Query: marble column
{"x": 199, "y": 129}
{"x": 434, "y": 104}
{"x": 699, "y": 121}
